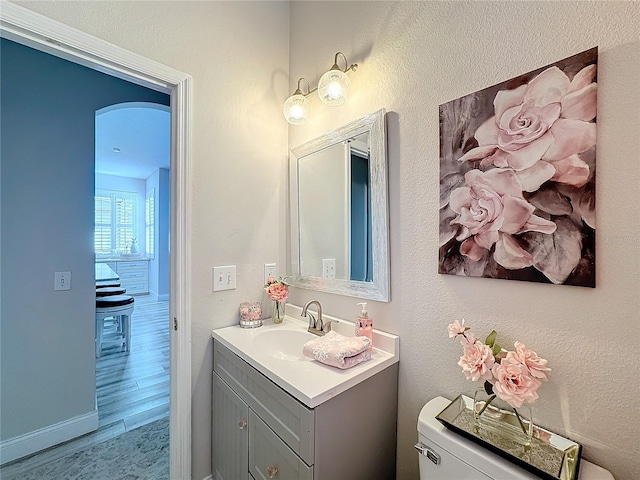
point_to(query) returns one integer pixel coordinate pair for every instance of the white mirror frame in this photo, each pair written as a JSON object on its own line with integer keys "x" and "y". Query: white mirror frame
{"x": 378, "y": 289}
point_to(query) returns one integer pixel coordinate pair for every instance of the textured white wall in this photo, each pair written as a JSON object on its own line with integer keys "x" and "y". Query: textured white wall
{"x": 237, "y": 53}
{"x": 414, "y": 56}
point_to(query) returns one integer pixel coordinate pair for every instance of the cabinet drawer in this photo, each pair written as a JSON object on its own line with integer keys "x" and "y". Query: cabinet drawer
{"x": 269, "y": 456}
{"x": 135, "y": 287}
{"x": 124, "y": 266}
{"x": 288, "y": 418}
{"x": 142, "y": 274}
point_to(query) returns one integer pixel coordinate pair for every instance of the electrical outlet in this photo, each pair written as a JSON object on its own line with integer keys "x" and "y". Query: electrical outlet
{"x": 62, "y": 281}
{"x": 329, "y": 268}
{"x": 224, "y": 278}
{"x": 269, "y": 271}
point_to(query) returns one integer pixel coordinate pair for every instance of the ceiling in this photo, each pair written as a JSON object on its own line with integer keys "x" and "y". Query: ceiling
{"x": 132, "y": 139}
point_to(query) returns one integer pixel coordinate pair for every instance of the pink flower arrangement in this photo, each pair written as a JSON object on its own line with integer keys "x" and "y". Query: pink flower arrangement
{"x": 277, "y": 290}
{"x": 512, "y": 376}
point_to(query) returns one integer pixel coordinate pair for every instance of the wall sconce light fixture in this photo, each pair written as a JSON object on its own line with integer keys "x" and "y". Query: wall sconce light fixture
{"x": 333, "y": 90}
{"x": 297, "y": 107}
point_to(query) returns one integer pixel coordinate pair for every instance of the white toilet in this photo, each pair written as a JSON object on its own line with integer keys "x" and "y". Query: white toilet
{"x": 445, "y": 455}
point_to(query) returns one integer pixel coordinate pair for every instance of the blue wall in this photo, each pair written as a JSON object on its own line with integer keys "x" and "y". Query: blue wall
{"x": 46, "y": 199}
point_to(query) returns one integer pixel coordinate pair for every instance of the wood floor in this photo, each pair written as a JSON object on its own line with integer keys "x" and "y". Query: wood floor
{"x": 132, "y": 390}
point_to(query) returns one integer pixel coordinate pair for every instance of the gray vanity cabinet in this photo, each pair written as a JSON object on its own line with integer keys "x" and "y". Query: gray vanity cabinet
{"x": 350, "y": 436}
{"x": 231, "y": 436}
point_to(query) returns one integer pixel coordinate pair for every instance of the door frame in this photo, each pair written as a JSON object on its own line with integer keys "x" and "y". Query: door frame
{"x": 47, "y": 35}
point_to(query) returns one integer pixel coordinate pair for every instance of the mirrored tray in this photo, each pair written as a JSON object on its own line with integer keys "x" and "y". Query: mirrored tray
{"x": 550, "y": 456}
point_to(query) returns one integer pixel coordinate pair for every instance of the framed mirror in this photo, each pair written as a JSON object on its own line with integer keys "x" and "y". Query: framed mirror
{"x": 339, "y": 211}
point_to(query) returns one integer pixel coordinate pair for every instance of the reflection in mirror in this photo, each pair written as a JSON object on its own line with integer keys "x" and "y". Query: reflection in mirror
{"x": 339, "y": 224}
{"x": 335, "y": 198}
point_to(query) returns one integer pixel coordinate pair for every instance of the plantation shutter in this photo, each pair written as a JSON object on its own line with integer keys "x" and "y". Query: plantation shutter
{"x": 125, "y": 211}
{"x": 114, "y": 222}
{"x": 102, "y": 235}
{"x": 150, "y": 223}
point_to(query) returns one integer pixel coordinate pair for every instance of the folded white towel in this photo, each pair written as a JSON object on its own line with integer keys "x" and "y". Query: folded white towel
{"x": 337, "y": 350}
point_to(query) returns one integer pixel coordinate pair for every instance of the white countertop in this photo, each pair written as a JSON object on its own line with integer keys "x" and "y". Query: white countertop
{"x": 310, "y": 381}
{"x": 123, "y": 258}
{"x": 104, "y": 273}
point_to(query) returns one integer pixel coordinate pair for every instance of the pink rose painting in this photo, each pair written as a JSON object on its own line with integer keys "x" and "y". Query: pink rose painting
{"x": 517, "y": 177}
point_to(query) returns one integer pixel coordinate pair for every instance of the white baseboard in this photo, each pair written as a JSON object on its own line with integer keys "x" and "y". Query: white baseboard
{"x": 210, "y": 477}
{"x": 37, "y": 440}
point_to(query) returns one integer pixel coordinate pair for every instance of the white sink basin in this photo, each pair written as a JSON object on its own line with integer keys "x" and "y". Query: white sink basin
{"x": 276, "y": 352}
{"x": 283, "y": 344}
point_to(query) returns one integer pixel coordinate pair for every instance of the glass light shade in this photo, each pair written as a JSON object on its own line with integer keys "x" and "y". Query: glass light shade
{"x": 333, "y": 88}
{"x": 296, "y": 109}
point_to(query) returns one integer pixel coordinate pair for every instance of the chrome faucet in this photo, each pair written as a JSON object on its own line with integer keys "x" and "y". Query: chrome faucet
{"x": 317, "y": 326}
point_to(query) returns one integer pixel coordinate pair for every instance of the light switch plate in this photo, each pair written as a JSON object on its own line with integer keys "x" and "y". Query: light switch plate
{"x": 269, "y": 271}
{"x": 62, "y": 281}
{"x": 224, "y": 278}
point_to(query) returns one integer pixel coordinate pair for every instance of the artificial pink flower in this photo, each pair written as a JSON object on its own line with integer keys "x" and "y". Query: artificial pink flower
{"x": 514, "y": 383}
{"x": 477, "y": 362}
{"x": 490, "y": 209}
{"x": 277, "y": 292}
{"x": 539, "y": 126}
{"x": 468, "y": 338}
{"x": 536, "y": 365}
{"x": 457, "y": 328}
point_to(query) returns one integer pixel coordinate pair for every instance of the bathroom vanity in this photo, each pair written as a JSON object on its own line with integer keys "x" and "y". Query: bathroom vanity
{"x": 278, "y": 414}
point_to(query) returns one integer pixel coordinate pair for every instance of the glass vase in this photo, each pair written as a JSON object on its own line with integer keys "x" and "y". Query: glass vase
{"x": 503, "y": 422}
{"x": 278, "y": 311}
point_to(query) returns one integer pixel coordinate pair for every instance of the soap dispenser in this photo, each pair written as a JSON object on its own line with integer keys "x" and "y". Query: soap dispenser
{"x": 364, "y": 325}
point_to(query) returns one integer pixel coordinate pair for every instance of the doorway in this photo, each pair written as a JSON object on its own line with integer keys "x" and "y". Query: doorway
{"x": 132, "y": 190}
{"x": 39, "y": 32}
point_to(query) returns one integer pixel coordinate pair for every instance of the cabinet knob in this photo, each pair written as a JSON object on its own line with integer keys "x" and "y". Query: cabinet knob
{"x": 242, "y": 424}
{"x": 272, "y": 471}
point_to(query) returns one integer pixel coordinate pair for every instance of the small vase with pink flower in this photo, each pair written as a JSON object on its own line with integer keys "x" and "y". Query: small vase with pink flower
{"x": 278, "y": 291}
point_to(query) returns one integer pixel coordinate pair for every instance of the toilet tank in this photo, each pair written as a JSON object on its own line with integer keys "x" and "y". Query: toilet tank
{"x": 446, "y": 455}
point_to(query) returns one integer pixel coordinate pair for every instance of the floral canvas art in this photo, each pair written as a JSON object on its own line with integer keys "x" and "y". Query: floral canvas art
{"x": 517, "y": 177}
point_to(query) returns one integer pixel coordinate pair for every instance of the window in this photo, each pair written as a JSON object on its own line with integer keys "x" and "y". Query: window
{"x": 114, "y": 221}
{"x": 150, "y": 223}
